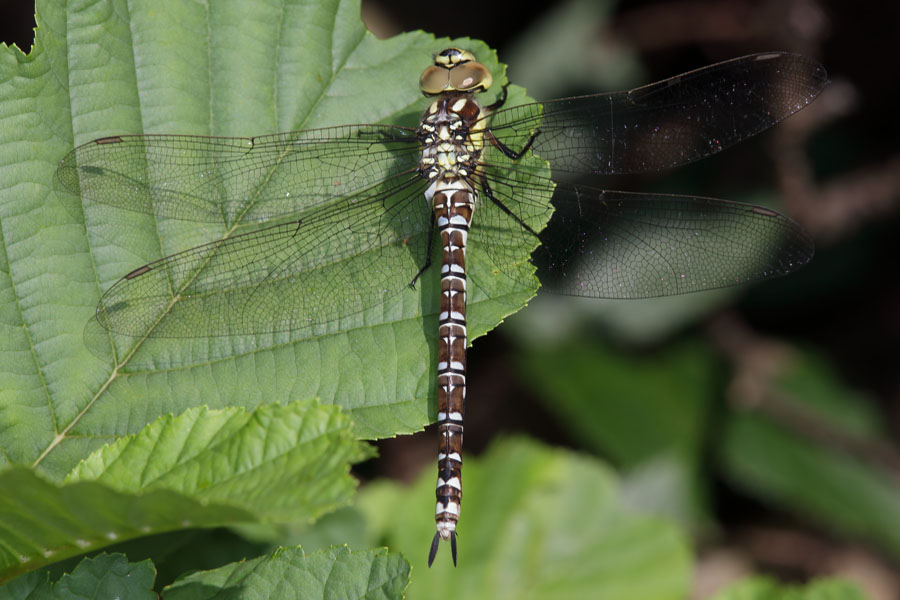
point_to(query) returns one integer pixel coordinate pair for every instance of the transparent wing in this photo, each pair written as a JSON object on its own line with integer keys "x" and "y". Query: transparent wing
{"x": 606, "y": 244}
{"x": 216, "y": 179}
{"x": 668, "y": 123}
{"x": 361, "y": 227}
{"x": 333, "y": 262}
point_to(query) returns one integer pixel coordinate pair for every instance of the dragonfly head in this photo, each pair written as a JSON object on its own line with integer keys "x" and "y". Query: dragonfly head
{"x": 455, "y": 70}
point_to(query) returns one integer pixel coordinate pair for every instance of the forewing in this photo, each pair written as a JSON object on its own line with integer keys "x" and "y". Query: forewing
{"x": 234, "y": 180}
{"x": 668, "y": 123}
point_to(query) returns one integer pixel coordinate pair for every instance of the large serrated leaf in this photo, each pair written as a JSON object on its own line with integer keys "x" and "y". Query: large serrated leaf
{"x": 226, "y": 68}
{"x": 200, "y": 469}
{"x": 288, "y": 573}
{"x": 102, "y": 576}
{"x": 288, "y": 463}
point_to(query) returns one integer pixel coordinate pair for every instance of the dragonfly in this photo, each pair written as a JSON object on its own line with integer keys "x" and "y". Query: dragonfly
{"x": 352, "y": 213}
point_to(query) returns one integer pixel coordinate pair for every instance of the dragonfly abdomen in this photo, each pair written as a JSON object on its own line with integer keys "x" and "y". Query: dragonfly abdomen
{"x": 453, "y": 203}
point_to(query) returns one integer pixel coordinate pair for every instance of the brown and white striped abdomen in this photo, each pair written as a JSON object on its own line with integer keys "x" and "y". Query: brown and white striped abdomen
{"x": 453, "y": 203}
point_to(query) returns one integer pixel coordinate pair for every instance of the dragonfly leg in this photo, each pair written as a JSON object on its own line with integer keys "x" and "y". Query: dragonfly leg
{"x": 509, "y": 151}
{"x": 427, "y": 264}
{"x": 489, "y": 193}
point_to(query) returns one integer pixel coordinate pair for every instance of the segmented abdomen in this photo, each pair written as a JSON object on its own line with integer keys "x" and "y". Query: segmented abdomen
{"x": 453, "y": 204}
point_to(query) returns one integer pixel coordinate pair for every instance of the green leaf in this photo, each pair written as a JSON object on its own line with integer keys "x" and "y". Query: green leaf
{"x": 648, "y": 404}
{"x": 188, "y": 550}
{"x": 761, "y": 588}
{"x": 103, "y": 576}
{"x": 288, "y": 463}
{"x": 288, "y": 573}
{"x": 537, "y": 523}
{"x": 649, "y": 413}
{"x": 813, "y": 448}
{"x": 235, "y": 67}
{"x": 201, "y": 469}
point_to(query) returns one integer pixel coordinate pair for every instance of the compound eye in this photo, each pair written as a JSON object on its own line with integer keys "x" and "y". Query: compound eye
{"x": 471, "y": 76}
{"x": 434, "y": 80}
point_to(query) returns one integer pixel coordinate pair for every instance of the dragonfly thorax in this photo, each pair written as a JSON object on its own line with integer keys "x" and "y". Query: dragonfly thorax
{"x": 451, "y": 137}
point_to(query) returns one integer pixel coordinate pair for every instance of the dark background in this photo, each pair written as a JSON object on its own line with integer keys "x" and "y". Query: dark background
{"x": 834, "y": 167}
